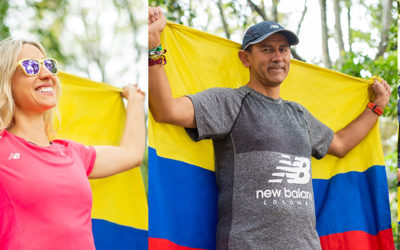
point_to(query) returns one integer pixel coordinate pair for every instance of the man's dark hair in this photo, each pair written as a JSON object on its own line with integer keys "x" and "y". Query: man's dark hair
{"x": 249, "y": 48}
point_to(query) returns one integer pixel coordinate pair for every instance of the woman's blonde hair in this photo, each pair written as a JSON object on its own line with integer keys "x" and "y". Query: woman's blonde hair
{"x": 9, "y": 52}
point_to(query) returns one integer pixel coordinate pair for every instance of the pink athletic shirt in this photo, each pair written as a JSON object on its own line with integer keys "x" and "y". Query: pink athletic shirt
{"x": 45, "y": 196}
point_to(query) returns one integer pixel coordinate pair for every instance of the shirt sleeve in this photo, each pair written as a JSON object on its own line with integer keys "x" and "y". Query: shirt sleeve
{"x": 215, "y": 112}
{"x": 320, "y": 135}
{"x": 87, "y": 154}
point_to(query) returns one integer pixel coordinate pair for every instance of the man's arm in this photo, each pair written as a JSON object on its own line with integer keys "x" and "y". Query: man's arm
{"x": 164, "y": 108}
{"x": 350, "y": 136}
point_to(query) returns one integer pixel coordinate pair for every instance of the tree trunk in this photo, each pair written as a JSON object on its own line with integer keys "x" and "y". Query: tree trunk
{"x": 324, "y": 31}
{"x": 296, "y": 55}
{"x": 225, "y": 25}
{"x": 274, "y": 10}
{"x": 92, "y": 49}
{"x": 350, "y": 35}
{"x": 302, "y": 18}
{"x": 255, "y": 8}
{"x": 338, "y": 33}
{"x": 190, "y": 19}
{"x": 386, "y": 19}
{"x": 294, "y": 52}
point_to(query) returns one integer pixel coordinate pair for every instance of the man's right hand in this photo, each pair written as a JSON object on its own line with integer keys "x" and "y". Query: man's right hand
{"x": 164, "y": 108}
{"x": 156, "y": 23}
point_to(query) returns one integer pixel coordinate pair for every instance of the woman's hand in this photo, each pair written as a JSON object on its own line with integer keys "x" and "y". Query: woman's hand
{"x": 132, "y": 93}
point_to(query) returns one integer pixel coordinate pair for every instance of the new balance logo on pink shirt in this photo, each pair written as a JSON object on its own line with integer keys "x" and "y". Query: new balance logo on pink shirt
{"x": 14, "y": 156}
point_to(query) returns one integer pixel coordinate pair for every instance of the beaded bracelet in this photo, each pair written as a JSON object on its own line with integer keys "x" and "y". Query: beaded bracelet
{"x": 157, "y": 56}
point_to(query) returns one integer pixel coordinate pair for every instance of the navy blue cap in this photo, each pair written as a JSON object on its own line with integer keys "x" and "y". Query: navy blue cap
{"x": 260, "y": 31}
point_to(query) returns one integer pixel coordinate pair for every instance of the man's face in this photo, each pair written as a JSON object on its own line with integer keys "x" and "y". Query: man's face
{"x": 269, "y": 60}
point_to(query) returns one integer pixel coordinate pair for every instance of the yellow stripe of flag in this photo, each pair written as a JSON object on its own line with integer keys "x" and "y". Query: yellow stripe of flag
{"x": 93, "y": 113}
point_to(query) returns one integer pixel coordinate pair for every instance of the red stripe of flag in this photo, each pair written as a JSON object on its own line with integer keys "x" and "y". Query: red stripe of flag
{"x": 156, "y": 244}
{"x": 358, "y": 240}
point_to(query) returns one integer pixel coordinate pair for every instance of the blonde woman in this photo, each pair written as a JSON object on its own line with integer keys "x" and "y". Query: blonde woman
{"x": 45, "y": 196}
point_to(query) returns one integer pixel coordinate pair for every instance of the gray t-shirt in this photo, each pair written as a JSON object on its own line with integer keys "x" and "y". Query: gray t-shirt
{"x": 263, "y": 150}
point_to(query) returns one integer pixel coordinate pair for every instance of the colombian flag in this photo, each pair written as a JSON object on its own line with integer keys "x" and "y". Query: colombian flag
{"x": 93, "y": 114}
{"x": 351, "y": 194}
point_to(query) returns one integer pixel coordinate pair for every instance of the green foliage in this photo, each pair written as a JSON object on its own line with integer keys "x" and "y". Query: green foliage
{"x": 175, "y": 10}
{"x": 396, "y": 235}
{"x": 385, "y": 67}
{"x": 49, "y": 23}
{"x": 44, "y": 6}
{"x": 392, "y": 42}
{"x": 376, "y": 10}
{"x": 391, "y": 164}
{"x": 365, "y": 37}
{"x": 361, "y": 65}
{"x": 4, "y": 30}
{"x": 50, "y": 40}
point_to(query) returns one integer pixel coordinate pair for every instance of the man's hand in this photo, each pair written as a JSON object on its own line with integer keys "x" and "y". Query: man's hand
{"x": 177, "y": 111}
{"x": 156, "y": 23}
{"x": 382, "y": 93}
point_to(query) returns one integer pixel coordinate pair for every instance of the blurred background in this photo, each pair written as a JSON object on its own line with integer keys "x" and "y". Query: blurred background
{"x": 356, "y": 37}
{"x": 103, "y": 40}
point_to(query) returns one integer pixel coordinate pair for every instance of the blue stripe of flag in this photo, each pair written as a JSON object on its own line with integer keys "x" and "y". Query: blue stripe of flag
{"x": 182, "y": 202}
{"x": 353, "y": 201}
{"x": 108, "y": 235}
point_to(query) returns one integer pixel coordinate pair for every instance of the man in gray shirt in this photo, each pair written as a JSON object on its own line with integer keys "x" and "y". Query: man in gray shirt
{"x": 263, "y": 144}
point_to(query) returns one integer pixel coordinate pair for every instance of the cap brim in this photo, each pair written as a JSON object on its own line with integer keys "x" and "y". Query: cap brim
{"x": 290, "y": 36}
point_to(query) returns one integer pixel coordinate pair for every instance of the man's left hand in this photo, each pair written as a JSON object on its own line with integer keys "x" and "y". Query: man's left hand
{"x": 382, "y": 93}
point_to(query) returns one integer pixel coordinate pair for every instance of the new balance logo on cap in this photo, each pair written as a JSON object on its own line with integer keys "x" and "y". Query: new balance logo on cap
{"x": 274, "y": 26}
{"x": 14, "y": 156}
{"x": 296, "y": 171}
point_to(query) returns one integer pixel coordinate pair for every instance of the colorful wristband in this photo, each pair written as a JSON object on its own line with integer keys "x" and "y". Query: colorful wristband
{"x": 160, "y": 60}
{"x": 157, "y": 56}
{"x": 377, "y": 110}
